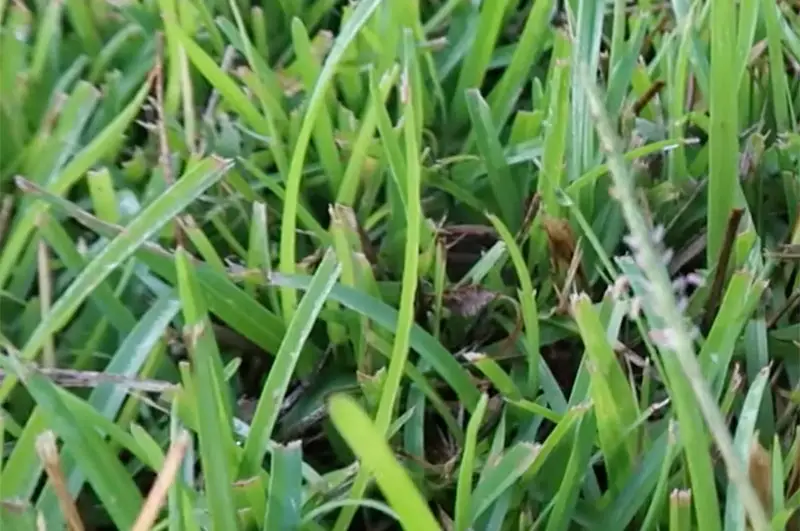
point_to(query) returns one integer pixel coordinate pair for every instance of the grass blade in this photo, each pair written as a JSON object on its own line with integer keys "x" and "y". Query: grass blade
{"x": 195, "y": 181}
{"x": 743, "y": 440}
{"x": 274, "y": 390}
{"x": 107, "y": 475}
{"x": 367, "y": 442}
{"x": 286, "y": 494}
{"x": 107, "y": 398}
{"x": 359, "y": 17}
{"x": 613, "y": 399}
{"x": 506, "y": 191}
{"x": 466, "y": 470}
{"x": 723, "y": 179}
{"x": 215, "y": 424}
{"x": 513, "y": 464}
{"x": 411, "y": 264}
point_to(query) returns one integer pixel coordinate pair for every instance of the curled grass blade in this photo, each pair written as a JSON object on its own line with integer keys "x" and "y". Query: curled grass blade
{"x": 359, "y": 17}
{"x": 323, "y": 133}
{"x": 527, "y": 297}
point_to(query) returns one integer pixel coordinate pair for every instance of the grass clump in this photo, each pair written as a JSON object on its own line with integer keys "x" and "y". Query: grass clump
{"x": 459, "y": 265}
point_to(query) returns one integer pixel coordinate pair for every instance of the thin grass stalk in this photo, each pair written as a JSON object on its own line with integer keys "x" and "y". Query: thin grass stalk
{"x": 679, "y": 335}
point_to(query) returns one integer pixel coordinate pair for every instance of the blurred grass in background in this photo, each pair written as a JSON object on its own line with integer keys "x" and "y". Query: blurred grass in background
{"x": 433, "y": 264}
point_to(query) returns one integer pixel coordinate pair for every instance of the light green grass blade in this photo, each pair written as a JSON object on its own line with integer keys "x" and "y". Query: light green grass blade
{"x": 680, "y": 510}
{"x": 529, "y": 47}
{"x": 47, "y": 35}
{"x": 747, "y": 25}
{"x": 369, "y": 123}
{"x": 323, "y": 134}
{"x": 580, "y": 455}
{"x": 114, "y": 47}
{"x": 743, "y": 293}
{"x": 466, "y": 469}
{"x": 678, "y": 167}
{"x": 612, "y": 396}
{"x": 511, "y": 466}
{"x": 16, "y": 50}
{"x": 476, "y": 62}
{"x": 723, "y": 179}
{"x": 553, "y": 175}
{"x": 80, "y": 15}
{"x": 500, "y": 379}
{"x": 22, "y": 468}
{"x": 587, "y": 34}
{"x": 280, "y": 375}
{"x": 368, "y": 443}
{"x": 527, "y": 297}
{"x": 506, "y": 192}
{"x": 215, "y": 423}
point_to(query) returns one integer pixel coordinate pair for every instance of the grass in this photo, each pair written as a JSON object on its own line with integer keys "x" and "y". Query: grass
{"x": 384, "y": 264}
